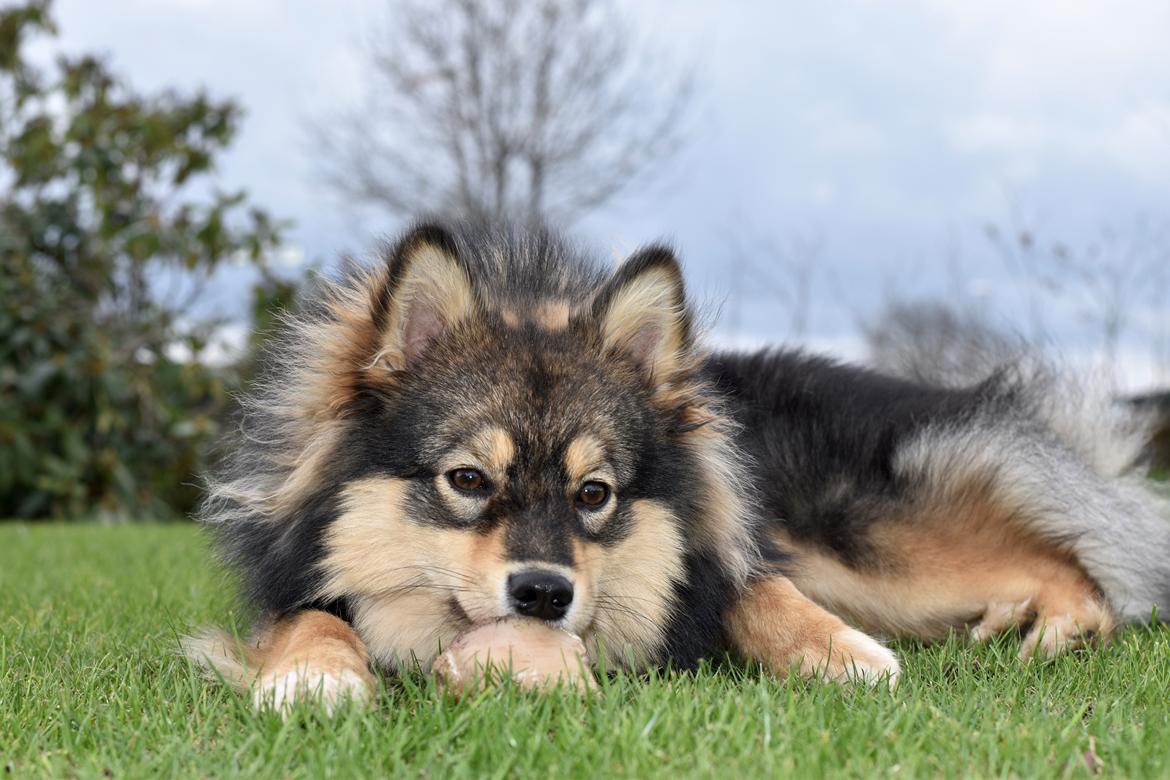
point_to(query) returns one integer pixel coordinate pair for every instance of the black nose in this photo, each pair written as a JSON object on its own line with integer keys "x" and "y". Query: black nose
{"x": 540, "y": 594}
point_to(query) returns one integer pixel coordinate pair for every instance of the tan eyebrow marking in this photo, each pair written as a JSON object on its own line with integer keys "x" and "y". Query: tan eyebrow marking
{"x": 583, "y": 456}
{"x": 494, "y": 447}
{"x": 510, "y": 317}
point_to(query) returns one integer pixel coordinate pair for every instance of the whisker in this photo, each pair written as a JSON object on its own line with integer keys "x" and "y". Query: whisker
{"x": 621, "y": 609}
{"x": 411, "y": 587}
{"x": 455, "y": 573}
{"x": 629, "y": 598}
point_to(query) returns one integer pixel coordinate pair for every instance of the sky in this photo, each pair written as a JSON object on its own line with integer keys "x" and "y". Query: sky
{"x": 872, "y": 142}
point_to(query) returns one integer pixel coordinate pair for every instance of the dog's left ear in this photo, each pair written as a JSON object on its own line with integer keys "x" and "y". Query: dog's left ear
{"x": 642, "y": 313}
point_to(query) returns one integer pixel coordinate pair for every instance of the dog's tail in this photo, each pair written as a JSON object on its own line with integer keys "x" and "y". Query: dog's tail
{"x": 1065, "y": 463}
{"x": 224, "y": 657}
{"x": 1114, "y": 517}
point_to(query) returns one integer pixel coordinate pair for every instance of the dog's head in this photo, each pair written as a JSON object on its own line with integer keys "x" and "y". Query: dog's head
{"x": 478, "y": 442}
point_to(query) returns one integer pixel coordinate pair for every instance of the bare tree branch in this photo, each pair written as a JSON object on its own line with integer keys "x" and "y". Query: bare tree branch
{"x": 783, "y": 270}
{"x": 1109, "y": 279}
{"x": 544, "y": 109}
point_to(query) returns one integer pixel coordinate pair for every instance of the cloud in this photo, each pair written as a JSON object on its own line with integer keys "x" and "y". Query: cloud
{"x": 882, "y": 125}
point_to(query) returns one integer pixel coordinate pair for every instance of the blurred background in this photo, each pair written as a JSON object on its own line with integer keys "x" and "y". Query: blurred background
{"x": 928, "y": 187}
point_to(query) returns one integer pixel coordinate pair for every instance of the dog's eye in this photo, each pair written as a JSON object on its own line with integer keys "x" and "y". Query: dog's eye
{"x": 467, "y": 480}
{"x": 593, "y": 494}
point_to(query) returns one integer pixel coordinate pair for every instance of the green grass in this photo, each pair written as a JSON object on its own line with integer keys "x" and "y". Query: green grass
{"x": 90, "y": 684}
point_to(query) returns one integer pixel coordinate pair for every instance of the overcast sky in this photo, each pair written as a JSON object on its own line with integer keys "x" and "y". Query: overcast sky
{"x": 889, "y": 134}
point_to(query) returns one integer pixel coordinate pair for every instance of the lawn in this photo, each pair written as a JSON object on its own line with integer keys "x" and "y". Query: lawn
{"x": 90, "y": 685}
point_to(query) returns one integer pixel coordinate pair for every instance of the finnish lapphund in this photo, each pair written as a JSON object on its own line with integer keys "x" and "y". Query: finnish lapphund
{"x": 488, "y": 422}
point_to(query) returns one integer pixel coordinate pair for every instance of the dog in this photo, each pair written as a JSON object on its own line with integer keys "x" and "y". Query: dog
{"x": 489, "y": 422}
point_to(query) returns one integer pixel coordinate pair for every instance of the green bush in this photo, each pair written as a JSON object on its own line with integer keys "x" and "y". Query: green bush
{"x": 100, "y": 416}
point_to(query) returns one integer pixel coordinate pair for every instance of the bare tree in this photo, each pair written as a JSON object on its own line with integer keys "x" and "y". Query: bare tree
{"x": 1109, "y": 278}
{"x": 1025, "y": 260}
{"x": 933, "y": 342}
{"x": 526, "y": 108}
{"x": 765, "y": 267}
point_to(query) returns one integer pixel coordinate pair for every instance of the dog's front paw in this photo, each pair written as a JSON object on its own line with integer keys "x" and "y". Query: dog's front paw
{"x": 853, "y": 657}
{"x": 776, "y": 624}
{"x": 283, "y": 690}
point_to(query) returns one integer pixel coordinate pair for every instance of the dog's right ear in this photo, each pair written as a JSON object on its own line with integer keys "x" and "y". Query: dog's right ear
{"x": 427, "y": 293}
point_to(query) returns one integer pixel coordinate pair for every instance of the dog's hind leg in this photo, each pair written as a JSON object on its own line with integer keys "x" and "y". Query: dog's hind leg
{"x": 773, "y": 623}
{"x": 308, "y": 656}
{"x": 1041, "y": 490}
{"x": 961, "y": 566}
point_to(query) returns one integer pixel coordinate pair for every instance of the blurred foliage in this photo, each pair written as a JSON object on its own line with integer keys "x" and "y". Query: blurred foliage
{"x": 106, "y": 408}
{"x": 272, "y": 296}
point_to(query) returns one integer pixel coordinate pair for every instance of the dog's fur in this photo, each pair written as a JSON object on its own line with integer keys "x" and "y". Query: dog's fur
{"x": 751, "y": 496}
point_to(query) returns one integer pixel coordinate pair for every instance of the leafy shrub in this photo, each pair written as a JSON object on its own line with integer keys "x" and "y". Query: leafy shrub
{"x": 99, "y": 415}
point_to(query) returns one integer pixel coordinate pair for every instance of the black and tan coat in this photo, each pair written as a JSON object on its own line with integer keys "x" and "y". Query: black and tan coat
{"x": 488, "y": 422}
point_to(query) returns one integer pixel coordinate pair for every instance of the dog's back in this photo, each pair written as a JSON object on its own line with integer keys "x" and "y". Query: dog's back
{"x": 850, "y": 460}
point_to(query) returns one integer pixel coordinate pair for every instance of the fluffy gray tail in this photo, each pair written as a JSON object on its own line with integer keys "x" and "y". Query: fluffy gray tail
{"x": 1066, "y": 462}
{"x": 1101, "y": 500}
